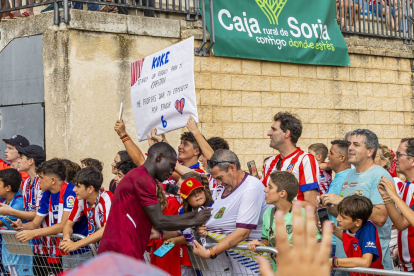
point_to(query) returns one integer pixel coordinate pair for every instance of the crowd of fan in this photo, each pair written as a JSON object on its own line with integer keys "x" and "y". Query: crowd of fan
{"x": 370, "y": 207}
{"x": 104, "y": 6}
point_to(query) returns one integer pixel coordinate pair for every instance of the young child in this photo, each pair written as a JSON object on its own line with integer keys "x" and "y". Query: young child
{"x": 91, "y": 162}
{"x": 320, "y": 151}
{"x": 195, "y": 197}
{"x": 358, "y": 234}
{"x": 91, "y": 201}
{"x": 280, "y": 192}
{"x": 10, "y": 180}
{"x": 56, "y": 204}
{"x": 178, "y": 259}
{"x": 122, "y": 168}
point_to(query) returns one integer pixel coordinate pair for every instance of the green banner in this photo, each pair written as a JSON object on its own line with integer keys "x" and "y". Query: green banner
{"x": 297, "y": 31}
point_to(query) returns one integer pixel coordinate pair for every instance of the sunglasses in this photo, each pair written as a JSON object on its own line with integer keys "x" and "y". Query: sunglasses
{"x": 213, "y": 163}
{"x": 399, "y": 154}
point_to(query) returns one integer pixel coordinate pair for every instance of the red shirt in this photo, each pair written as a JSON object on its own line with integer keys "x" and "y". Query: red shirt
{"x": 128, "y": 228}
{"x": 171, "y": 262}
{"x": 5, "y": 165}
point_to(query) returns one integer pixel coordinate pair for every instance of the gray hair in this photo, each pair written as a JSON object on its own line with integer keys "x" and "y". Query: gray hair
{"x": 225, "y": 155}
{"x": 371, "y": 139}
{"x": 347, "y": 135}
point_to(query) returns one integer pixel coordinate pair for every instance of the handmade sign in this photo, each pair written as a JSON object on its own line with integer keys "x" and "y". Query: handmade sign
{"x": 162, "y": 89}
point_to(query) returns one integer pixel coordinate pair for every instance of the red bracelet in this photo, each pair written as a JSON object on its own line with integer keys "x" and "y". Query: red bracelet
{"x": 335, "y": 261}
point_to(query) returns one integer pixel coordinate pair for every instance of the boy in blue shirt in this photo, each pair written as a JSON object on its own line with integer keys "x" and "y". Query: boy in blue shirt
{"x": 10, "y": 180}
{"x": 56, "y": 204}
{"x": 359, "y": 235}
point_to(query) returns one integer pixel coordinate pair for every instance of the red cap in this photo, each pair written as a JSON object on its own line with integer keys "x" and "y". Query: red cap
{"x": 188, "y": 186}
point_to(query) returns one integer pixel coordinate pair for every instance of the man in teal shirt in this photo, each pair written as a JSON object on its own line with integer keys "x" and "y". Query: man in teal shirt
{"x": 338, "y": 162}
{"x": 364, "y": 180}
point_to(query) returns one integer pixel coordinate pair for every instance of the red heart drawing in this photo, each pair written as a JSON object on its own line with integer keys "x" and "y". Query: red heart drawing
{"x": 179, "y": 105}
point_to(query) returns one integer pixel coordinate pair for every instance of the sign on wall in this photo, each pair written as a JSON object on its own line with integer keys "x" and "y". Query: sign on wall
{"x": 162, "y": 89}
{"x": 298, "y": 31}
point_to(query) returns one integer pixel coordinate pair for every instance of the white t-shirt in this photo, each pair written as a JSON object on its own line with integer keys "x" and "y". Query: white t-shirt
{"x": 242, "y": 208}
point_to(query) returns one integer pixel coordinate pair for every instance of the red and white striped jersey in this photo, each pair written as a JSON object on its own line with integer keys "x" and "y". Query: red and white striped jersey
{"x": 325, "y": 179}
{"x": 399, "y": 185}
{"x": 32, "y": 194}
{"x": 301, "y": 164}
{"x": 406, "y": 237}
{"x": 98, "y": 216}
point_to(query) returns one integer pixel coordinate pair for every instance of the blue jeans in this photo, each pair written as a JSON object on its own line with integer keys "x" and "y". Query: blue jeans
{"x": 79, "y": 6}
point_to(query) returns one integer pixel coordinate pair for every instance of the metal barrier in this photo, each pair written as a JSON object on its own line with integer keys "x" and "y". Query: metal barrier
{"x": 386, "y": 18}
{"x": 189, "y": 8}
{"x": 363, "y": 270}
{"x": 40, "y": 256}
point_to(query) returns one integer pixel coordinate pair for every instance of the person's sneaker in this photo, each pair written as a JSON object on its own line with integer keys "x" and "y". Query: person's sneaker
{"x": 50, "y": 8}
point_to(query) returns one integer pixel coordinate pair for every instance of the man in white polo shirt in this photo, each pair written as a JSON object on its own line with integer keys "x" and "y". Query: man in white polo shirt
{"x": 237, "y": 214}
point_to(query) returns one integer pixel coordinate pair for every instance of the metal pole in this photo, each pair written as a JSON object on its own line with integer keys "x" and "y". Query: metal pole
{"x": 66, "y": 11}
{"x": 56, "y": 19}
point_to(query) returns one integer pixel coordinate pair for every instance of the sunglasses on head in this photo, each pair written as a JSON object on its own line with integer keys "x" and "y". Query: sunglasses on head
{"x": 213, "y": 163}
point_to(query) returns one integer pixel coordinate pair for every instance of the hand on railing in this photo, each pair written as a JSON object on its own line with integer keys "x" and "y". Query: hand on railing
{"x": 26, "y": 235}
{"x": 306, "y": 257}
{"x": 67, "y": 245}
{"x": 252, "y": 245}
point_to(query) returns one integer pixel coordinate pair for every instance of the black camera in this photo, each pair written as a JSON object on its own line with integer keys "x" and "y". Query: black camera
{"x": 171, "y": 189}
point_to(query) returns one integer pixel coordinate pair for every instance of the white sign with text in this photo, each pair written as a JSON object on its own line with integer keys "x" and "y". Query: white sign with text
{"x": 162, "y": 89}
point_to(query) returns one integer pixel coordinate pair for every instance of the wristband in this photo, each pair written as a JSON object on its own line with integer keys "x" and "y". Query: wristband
{"x": 388, "y": 202}
{"x": 212, "y": 253}
{"x": 126, "y": 139}
{"x": 335, "y": 261}
{"x": 125, "y": 136}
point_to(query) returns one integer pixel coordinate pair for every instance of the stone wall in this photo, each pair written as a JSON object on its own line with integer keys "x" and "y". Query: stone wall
{"x": 86, "y": 69}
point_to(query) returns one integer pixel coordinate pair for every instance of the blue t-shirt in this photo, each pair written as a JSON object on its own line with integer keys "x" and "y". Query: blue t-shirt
{"x": 23, "y": 264}
{"x": 366, "y": 184}
{"x": 367, "y": 240}
{"x": 81, "y": 226}
{"x": 335, "y": 188}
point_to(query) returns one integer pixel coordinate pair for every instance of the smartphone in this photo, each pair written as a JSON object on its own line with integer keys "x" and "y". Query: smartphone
{"x": 252, "y": 168}
{"x": 9, "y": 220}
{"x": 121, "y": 109}
{"x": 322, "y": 214}
{"x": 163, "y": 249}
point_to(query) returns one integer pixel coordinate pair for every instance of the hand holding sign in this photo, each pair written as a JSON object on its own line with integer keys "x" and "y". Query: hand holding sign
{"x": 154, "y": 138}
{"x": 163, "y": 90}
{"x": 192, "y": 126}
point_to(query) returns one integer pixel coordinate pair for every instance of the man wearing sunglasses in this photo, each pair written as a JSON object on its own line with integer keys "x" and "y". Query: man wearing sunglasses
{"x": 402, "y": 216}
{"x": 284, "y": 134}
{"x": 237, "y": 214}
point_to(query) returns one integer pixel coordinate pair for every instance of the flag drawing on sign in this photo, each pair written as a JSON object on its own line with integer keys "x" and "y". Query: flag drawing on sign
{"x": 136, "y": 68}
{"x": 179, "y": 105}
